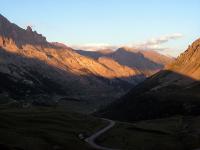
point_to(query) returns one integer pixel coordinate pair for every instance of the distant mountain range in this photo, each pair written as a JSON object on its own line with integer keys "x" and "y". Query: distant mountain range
{"x": 146, "y": 61}
{"x": 172, "y": 91}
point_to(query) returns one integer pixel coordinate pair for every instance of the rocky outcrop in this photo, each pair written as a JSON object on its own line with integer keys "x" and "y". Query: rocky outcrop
{"x": 188, "y": 63}
{"x": 13, "y": 33}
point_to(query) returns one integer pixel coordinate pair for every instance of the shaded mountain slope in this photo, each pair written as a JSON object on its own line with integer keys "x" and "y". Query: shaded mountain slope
{"x": 146, "y": 61}
{"x": 175, "y": 90}
{"x": 121, "y": 70}
{"x": 136, "y": 59}
{"x": 157, "y": 57}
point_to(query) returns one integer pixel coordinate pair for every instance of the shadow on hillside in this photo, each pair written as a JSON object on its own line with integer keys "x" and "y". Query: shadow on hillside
{"x": 92, "y": 54}
{"x": 39, "y": 78}
{"x": 22, "y": 77}
{"x": 127, "y": 58}
{"x": 165, "y": 94}
{"x": 136, "y": 60}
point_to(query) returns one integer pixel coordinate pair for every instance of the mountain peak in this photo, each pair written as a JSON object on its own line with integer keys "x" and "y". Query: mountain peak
{"x": 125, "y": 48}
{"x": 29, "y": 29}
{"x": 12, "y": 34}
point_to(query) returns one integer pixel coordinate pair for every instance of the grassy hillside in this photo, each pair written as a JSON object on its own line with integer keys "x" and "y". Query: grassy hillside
{"x": 44, "y": 129}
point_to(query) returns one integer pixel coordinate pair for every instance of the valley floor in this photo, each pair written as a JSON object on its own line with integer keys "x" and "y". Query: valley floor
{"x": 45, "y": 129}
{"x": 176, "y": 133}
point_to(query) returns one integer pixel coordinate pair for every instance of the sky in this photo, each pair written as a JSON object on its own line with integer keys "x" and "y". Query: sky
{"x": 167, "y": 26}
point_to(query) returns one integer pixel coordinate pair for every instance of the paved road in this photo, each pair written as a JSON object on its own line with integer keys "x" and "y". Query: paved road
{"x": 91, "y": 140}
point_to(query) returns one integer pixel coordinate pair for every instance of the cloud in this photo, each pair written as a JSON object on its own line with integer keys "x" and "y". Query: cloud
{"x": 94, "y": 46}
{"x": 156, "y": 44}
{"x": 164, "y": 39}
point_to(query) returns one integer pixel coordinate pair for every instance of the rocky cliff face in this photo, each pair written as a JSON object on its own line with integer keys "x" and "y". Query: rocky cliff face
{"x": 188, "y": 63}
{"x": 173, "y": 91}
{"x": 12, "y": 34}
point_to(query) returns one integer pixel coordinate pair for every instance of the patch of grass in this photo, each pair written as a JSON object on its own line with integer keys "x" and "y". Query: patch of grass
{"x": 45, "y": 129}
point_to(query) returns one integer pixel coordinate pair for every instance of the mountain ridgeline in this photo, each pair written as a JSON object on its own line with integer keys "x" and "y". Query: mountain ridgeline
{"x": 146, "y": 61}
{"x": 35, "y": 71}
{"x": 172, "y": 91}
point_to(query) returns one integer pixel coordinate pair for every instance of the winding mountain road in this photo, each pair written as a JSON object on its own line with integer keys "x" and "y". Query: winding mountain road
{"x": 91, "y": 140}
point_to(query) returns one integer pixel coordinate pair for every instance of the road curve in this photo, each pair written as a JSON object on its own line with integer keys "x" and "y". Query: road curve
{"x": 91, "y": 140}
